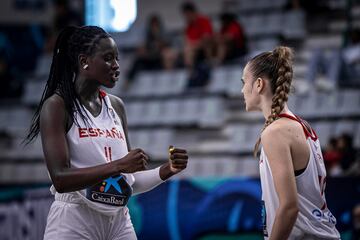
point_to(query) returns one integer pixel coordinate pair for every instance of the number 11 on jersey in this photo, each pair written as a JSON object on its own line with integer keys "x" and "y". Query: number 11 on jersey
{"x": 108, "y": 155}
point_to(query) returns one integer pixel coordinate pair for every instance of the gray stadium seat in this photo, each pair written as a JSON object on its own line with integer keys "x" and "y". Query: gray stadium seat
{"x": 189, "y": 111}
{"x": 328, "y": 104}
{"x": 33, "y": 92}
{"x": 324, "y": 131}
{"x": 274, "y": 23}
{"x": 306, "y": 105}
{"x": 160, "y": 141}
{"x": 243, "y": 136}
{"x": 357, "y": 135}
{"x": 171, "y": 111}
{"x": 43, "y": 66}
{"x": 345, "y": 126}
{"x": 294, "y": 27}
{"x": 218, "y": 83}
{"x": 153, "y": 113}
{"x": 135, "y": 112}
{"x": 234, "y": 84}
{"x": 212, "y": 112}
{"x": 16, "y": 121}
{"x": 143, "y": 84}
{"x": 350, "y": 102}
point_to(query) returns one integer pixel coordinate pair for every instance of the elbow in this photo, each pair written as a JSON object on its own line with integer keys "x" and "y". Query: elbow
{"x": 58, "y": 183}
{"x": 290, "y": 211}
{"x": 59, "y": 187}
{"x": 294, "y": 211}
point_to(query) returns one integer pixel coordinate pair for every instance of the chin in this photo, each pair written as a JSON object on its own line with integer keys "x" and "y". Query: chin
{"x": 250, "y": 109}
{"x": 109, "y": 84}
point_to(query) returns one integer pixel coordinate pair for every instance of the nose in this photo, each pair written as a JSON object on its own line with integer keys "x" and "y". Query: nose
{"x": 115, "y": 65}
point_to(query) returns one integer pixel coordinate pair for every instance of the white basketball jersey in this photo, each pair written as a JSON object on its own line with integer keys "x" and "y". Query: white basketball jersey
{"x": 314, "y": 220}
{"x": 96, "y": 142}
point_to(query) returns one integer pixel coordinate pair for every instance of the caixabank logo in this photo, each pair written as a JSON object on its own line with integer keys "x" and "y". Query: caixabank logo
{"x": 113, "y": 191}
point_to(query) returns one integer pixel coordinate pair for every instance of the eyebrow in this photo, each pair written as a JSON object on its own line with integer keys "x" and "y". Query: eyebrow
{"x": 108, "y": 52}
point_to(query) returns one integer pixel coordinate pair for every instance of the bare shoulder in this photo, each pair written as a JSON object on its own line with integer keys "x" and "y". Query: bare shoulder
{"x": 54, "y": 104}
{"x": 118, "y": 104}
{"x": 116, "y": 100}
{"x": 53, "y": 112}
{"x": 280, "y": 130}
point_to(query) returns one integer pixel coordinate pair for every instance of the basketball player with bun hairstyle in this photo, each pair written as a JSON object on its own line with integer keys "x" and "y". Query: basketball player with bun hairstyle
{"x": 292, "y": 170}
{"x": 85, "y": 142}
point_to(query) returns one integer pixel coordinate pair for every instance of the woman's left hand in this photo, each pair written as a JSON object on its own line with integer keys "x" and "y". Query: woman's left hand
{"x": 178, "y": 159}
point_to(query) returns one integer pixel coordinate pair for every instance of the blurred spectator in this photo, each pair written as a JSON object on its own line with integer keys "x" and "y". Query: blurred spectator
{"x": 350, "y": 71}
{"x": 230, "y": 41}
{"x": 348, "y": 152}
{"x": 356, "y": 223}
{"x": 198, "y": 45}
{"x": 66, "y": 16}
{"x": 156, "y": 52}
{"x": 324, "y": 68}
{"x": 337, "y": 66}
{"x": 198, "y": 35}
{"x": 332, "y": 158}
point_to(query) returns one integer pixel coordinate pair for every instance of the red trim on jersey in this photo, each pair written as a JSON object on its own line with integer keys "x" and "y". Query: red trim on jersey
{"x": 323, "y": 206}
{"x": 102, "y": 93}
{"x": 309, "y": 132}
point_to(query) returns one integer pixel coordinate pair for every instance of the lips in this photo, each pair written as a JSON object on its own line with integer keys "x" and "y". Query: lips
{"x": 115, "y": 76}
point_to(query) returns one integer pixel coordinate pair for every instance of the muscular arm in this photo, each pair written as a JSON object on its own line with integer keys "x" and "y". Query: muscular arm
{"x": 53, "y": 135}
{"x": 280, "y": 160}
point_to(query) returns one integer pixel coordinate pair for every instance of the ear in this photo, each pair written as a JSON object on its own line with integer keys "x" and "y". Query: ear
{"x": 259, "y": 84}
{"x": 83, "y": 60}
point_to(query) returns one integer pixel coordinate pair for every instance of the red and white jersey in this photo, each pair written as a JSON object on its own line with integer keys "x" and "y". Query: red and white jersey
{"x": 96, "y": 142}
{"x": 314, "y": 220}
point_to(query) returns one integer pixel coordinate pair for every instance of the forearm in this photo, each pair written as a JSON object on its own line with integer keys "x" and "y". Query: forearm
{"x": 74, "y": 179}
{"x": 165, "y": 172}
{"x": 146, "y": 180}
{"x": 284, "y": 221}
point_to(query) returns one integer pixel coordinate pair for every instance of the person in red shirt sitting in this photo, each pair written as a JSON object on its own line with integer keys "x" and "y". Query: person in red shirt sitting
{"x": 198, "y": 35}
{"x": 230, "y": 41}
{"x": 332, "y": 157}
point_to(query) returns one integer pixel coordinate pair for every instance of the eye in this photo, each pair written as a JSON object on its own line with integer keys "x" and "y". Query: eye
{"x": 108, "y": 57}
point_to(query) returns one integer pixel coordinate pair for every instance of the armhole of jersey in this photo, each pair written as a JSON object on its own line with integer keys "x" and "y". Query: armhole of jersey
{"x": 122, "y": 123}
{"x": 308, "y": 131}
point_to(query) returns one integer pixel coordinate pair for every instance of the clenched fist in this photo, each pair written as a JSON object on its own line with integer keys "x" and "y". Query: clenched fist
{"x": 135, "y": 160}
{"x": 178, "y": 159}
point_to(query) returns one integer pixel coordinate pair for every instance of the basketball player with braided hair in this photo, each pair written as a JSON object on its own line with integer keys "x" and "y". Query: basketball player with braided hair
{"x": 85, "y": 142}
{"x": 292, "y": 170}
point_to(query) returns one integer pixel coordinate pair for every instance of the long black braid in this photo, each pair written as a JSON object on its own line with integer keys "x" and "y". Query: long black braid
{"x": 71, "y": 42}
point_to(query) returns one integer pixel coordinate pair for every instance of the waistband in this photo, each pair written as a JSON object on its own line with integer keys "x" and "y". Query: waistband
{"x": 69, "y": 198}
{"x": 78, "y": 198}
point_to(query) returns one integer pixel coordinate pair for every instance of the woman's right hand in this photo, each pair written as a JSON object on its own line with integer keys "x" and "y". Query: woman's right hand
{"x": 135, "y": 160}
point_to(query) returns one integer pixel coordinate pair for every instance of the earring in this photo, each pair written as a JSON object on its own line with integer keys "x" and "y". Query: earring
{"x": 85, "y": 66}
